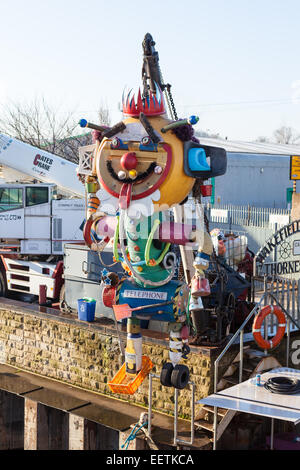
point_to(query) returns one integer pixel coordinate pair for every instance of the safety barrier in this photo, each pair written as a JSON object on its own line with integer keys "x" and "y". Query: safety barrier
{"x": 285, "y": 291}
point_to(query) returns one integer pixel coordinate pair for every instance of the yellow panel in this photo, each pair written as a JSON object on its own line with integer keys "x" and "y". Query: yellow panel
{"x": 295, "y": 167}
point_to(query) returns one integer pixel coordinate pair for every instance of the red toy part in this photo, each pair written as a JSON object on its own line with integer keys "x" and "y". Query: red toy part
{"x": 128, "y": 161}
{"x": 152, "y": 106}
{"x": 184, "y": 332}
{"x": 221, "y": 248}
{"x": 108, "y": 296}
{"x": 200, "y": 287}
{"x": 206, "y": 190}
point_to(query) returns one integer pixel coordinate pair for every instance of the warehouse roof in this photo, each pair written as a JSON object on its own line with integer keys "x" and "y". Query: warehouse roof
{"x": 252, "y": 147}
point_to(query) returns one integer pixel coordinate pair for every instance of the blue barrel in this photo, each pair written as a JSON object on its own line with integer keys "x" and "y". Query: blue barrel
{"x": 86, "y": 309}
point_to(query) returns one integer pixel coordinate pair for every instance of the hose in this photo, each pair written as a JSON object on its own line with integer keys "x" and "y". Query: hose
{"x": 130, "y": 266}
{"x": 282, "y": 385}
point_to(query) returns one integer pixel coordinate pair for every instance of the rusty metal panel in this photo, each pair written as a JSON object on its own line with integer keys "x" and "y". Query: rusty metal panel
{"x": 76, "y": 432}
{"x": 30, "y": 425}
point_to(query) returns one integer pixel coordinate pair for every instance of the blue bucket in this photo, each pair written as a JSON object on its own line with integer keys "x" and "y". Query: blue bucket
{"x": 86, "y": 309}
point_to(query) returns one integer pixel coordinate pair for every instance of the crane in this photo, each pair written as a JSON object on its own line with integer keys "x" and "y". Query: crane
{"x": 40, "y": 165}
{"x": 36, "y": 221}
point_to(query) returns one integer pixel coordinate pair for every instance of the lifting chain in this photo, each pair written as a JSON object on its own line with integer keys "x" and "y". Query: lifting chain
{"x": 169, "y": 97}
{"x": 171, "y": 103}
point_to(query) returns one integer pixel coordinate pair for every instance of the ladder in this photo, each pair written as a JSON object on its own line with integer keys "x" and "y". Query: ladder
{"x": 255, "y": 361}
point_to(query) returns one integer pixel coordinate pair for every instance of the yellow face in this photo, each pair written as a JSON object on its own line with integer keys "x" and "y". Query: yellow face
{"x": 129, "y": 165}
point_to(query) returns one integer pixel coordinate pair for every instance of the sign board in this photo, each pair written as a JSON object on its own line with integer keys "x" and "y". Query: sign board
{"x": 280, "y": 255}
{"x": 295, "y": 167}
{"x": 296, "y": 247}
{"x": 143, "y": 294}
{"x": 219, "y": 215}
{"x": 279, "y": 219}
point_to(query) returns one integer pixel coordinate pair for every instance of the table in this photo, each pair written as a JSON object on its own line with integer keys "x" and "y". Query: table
{"x": 247, "y": 397}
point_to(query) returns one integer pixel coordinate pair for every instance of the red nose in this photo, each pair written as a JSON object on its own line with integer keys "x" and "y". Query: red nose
{"x": 128, "y": 161}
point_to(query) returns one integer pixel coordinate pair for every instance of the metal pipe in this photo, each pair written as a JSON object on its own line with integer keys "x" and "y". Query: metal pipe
{"x": 193, "y": 413}
{"x": 288, "y": 339}
{"x": 215, "y": 427}
{"x": 176, "y": 439}
{"x": 272, "y": 434}
{"x": 241, "y": 356}
{"x": 284, "y": 310}
{"x": 175, "y": 415}
{"x": 150, "y": 402}
{"x": 239, "y": 331}
{"x": 266, "y": 320}
{"x": 233, "y": 339}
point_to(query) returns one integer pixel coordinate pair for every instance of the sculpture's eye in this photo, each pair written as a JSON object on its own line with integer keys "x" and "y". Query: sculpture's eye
{"x": 204, "y": 161}
{"x": 146, "y": 140}
{"x": 117, "y": 143}
{"x": 147, "y": 144}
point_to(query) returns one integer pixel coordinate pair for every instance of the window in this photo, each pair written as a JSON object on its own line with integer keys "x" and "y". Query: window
{"x": 36, "y": 195}
{"x": 11, "y": 198}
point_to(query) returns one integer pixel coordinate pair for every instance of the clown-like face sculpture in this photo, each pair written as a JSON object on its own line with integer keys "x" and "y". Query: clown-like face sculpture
{"x": 136, "y": 165}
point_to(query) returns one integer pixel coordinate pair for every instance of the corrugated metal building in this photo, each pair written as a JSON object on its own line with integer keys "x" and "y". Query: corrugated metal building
{"x": 257, "y": 173}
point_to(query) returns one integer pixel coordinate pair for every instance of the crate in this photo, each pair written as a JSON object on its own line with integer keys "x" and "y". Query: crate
{"x": 127, "y": 384}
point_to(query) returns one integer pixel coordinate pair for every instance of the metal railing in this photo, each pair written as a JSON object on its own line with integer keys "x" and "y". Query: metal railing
{"x": 248, "y": 215}
{"x": 286, "y": 291}
{"x": 240, "y": 332}
{"x": 176, "y": 439}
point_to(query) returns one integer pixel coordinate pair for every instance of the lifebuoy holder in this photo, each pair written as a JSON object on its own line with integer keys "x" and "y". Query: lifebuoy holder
{"x": 257, "y": 324}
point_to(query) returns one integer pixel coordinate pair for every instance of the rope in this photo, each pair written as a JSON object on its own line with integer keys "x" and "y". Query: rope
{"x": 133, "y": 435}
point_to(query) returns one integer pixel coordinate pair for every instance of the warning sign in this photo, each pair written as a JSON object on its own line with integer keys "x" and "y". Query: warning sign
{"x": 295, "y": 167}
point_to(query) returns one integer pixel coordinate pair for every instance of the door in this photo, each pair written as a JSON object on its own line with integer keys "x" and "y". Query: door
{"x": 11, "y": 212}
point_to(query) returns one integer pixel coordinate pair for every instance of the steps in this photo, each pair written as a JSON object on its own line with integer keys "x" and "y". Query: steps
{"x": 254, "y": 361}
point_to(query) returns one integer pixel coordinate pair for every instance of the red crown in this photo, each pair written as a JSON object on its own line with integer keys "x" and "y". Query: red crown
{"x": 152, "y": 105}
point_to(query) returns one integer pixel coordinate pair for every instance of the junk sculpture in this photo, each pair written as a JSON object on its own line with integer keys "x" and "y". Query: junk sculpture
{"x": 146, "y": 164}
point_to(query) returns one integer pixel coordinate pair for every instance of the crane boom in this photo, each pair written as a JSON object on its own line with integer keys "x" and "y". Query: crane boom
{"x": 40, "y": 164}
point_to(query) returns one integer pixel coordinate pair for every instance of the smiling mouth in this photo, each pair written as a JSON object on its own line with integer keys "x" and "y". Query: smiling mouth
{"x": 140, "y": 177}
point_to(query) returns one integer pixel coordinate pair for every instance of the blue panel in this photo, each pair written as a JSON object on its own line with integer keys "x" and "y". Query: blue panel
{"x": 197, "y": 160}
{"x": 135, "y": 296}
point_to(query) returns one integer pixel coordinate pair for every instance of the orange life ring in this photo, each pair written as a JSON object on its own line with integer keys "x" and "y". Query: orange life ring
{"x": 258, "y": 321}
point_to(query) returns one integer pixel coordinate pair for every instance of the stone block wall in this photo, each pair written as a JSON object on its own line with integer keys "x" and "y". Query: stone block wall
{"x": 87, "y": 355}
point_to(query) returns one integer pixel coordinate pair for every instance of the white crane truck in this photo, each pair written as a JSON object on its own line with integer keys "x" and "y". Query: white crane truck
{"x": 35, "y": 222}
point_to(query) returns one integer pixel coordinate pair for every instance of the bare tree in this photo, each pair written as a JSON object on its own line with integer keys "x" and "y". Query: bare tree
{"x": 42, "y": 126}
{"x": 262, "y": 139}
{"x": 212, "y": 135}
{"x": 104, "y": 116}
{"x": 286, "y": 135}
{"x": 50, "y": 129}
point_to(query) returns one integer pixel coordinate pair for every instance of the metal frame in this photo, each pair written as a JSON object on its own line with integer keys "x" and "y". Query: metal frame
{"x": 176, "y": 439}
{"x": 240, "y": 398}
{"x": 240, "y": 332}
{"x": 86, "y": 159}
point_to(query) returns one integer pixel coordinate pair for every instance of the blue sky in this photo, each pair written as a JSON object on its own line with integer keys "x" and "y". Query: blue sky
{"x": 233, "y": 63}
